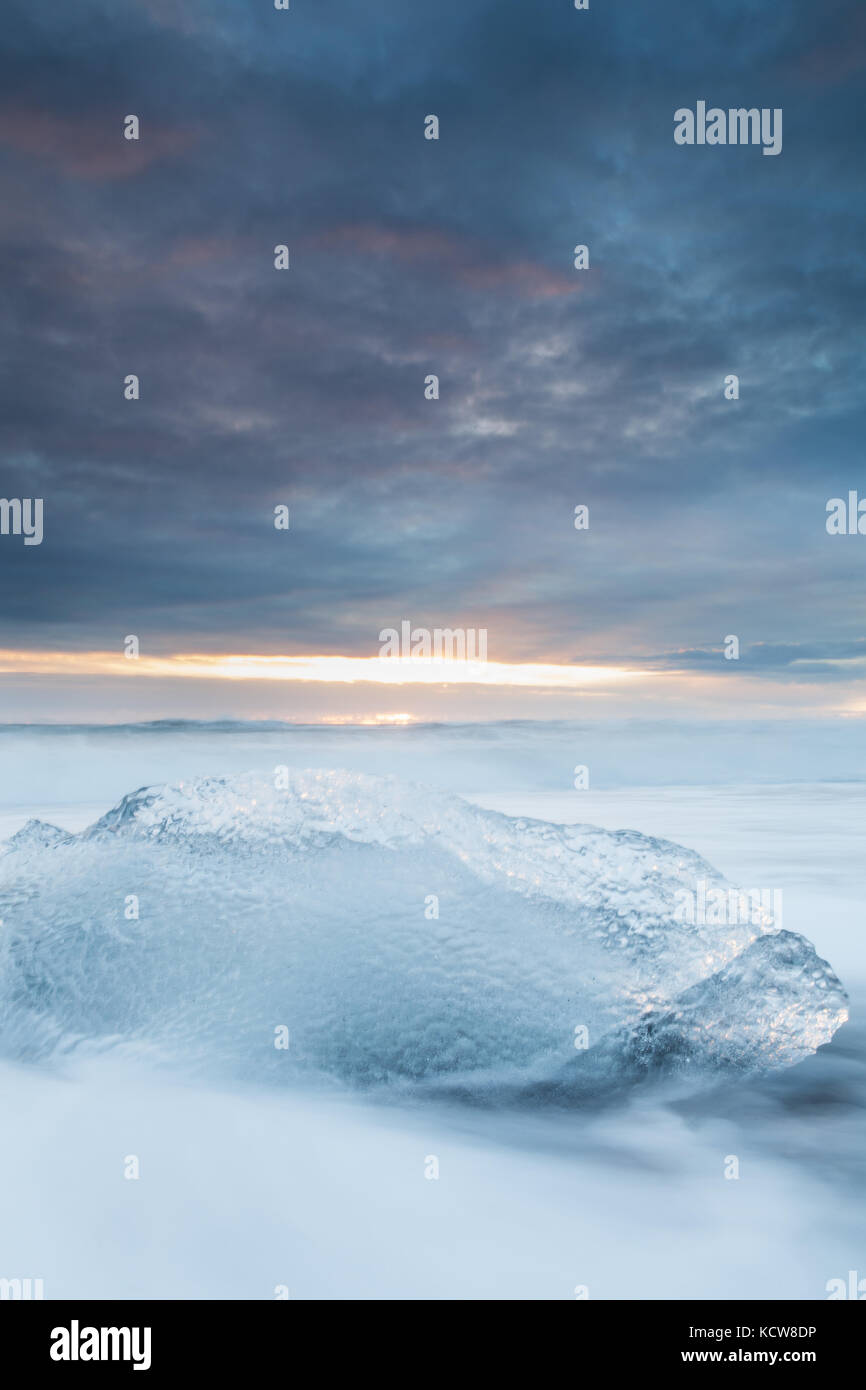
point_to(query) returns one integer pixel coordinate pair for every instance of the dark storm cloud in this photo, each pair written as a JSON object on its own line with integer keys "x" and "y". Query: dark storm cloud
{"x": 826, "y": 661}
{"x": 411, "y": 257}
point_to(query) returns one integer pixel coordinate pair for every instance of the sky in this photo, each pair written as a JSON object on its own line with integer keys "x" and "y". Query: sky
{"x": 559, "y": 387}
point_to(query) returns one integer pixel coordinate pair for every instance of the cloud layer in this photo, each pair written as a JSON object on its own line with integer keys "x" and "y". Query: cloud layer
{"x": 411, "y": 257}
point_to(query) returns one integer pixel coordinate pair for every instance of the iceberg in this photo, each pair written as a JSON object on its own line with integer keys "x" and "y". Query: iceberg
{"x": 332, "y": 927}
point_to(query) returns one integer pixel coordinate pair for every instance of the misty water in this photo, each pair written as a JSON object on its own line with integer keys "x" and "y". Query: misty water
{"x": 417, "y": 1039}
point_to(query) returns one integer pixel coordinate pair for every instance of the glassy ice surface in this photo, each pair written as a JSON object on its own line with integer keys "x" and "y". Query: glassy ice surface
{"x": 398, "y": 934}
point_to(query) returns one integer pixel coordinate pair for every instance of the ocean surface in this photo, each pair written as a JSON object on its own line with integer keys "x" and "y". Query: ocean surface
{"x": 430, "y": 1129}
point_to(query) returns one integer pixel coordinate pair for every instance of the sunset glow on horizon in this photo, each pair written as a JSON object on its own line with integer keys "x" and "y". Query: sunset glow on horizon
{"x": 328, "y": 669}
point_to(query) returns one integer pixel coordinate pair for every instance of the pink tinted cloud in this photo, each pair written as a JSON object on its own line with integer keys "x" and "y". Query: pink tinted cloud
{"x": 524, "y": 277}
{"x": 203, "y": 250}
{"x": 464, "y": 261}
{"x": 841, "y": 56}
{"x": 91, "y": 147}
